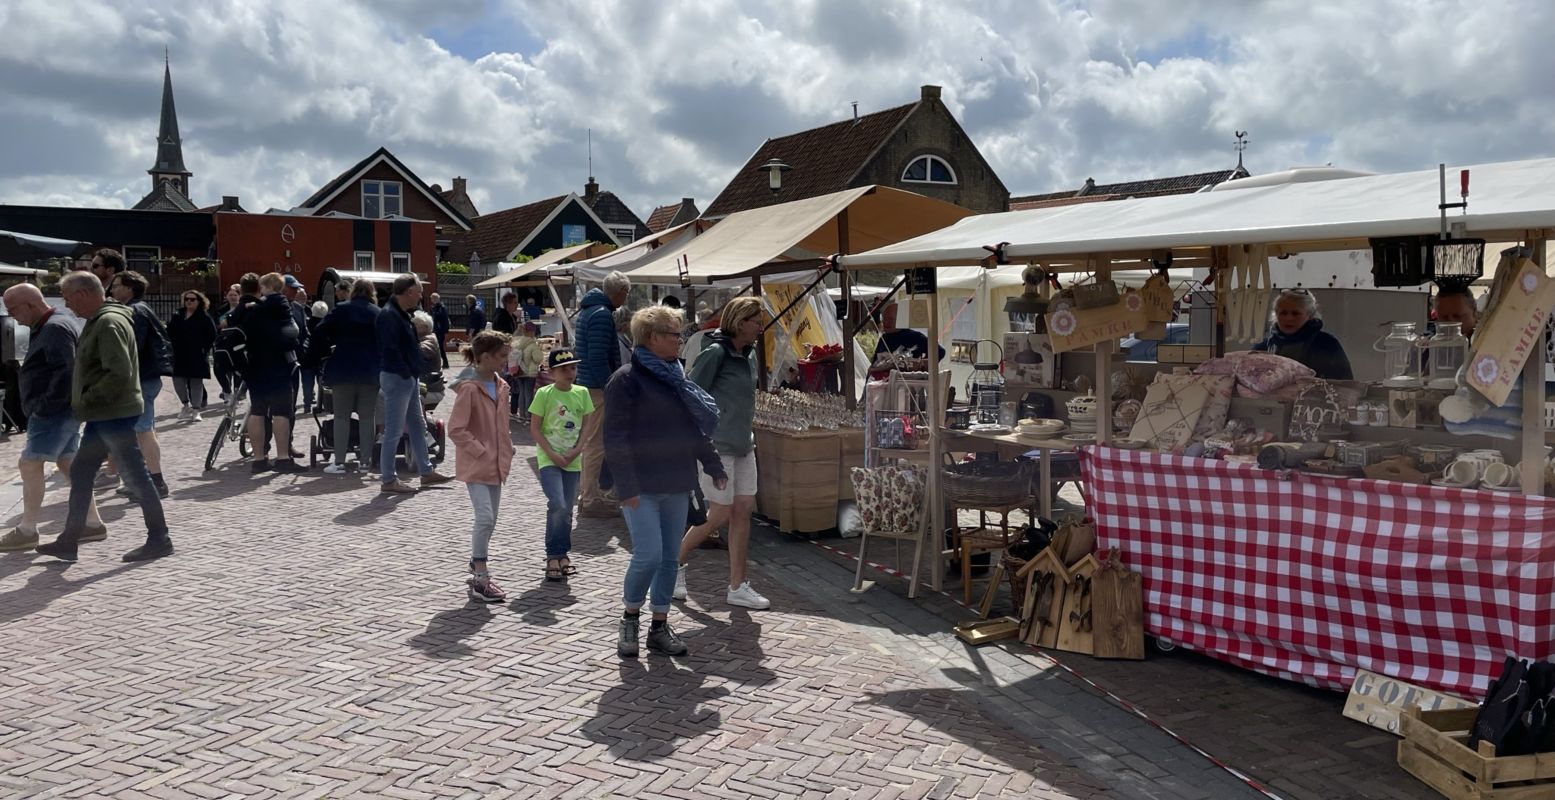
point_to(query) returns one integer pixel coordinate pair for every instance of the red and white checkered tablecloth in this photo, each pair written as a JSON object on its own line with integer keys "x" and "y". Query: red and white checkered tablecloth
{"x": 1310, "y": 578}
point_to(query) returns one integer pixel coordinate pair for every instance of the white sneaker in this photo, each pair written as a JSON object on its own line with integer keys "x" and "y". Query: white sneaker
{"x": 746, "y": 597}
{"x": 336, "y": 469}
{"x": 680, "y": 583}
{"x": 196, "y": 416}
{"x": 184, "y": 412}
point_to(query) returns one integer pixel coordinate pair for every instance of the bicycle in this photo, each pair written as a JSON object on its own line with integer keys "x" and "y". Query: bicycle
{"x": 231, "y": 426}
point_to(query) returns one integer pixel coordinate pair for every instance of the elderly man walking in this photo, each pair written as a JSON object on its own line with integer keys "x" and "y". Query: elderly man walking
{"x": 105, "y": 394}
{"x": 53, "y": 434}
{"x": 599, "y": 349}
{"x": 400, "y": 365}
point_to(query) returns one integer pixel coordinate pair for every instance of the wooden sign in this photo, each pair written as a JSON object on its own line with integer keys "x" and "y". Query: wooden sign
{"x": 1317, "y": 407}
{"x": 1378, "y": 700}
{"x": 1512, "y": 333}
{"x": 1072, "y": 328}
{"x": 922, "y": 280}
{"x": 1158, "y": 297}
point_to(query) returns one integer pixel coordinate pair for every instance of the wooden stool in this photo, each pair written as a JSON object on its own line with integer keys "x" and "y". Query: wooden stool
{"x": 985, "y": 539}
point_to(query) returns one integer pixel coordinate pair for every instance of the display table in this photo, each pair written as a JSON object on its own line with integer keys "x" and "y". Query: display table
{"x": 803, "y": 476}
{"x": 1010, "y": 444}
{"x": 1310, "y": 578}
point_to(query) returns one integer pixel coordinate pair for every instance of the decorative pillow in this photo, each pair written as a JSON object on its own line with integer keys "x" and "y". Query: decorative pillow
{"x": 889, "y": 498}
{"x": 1262, "y": 372}
{"x": 1216, "y": 409}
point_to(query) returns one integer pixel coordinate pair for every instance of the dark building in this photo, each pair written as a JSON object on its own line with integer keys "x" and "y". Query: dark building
{"x": 624, "y": 225}
{"x": 918, "y": 147}
{"x": 380, "y": 186}
{"x": 149, "y": 240}
{"x": 666, "y": 217}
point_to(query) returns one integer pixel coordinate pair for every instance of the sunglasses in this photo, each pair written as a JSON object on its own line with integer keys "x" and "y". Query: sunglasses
{"x": 191, "y": 299}
{"x": 677, "y": 334}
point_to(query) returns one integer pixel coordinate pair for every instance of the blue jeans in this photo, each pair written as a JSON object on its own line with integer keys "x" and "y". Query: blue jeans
{"x": 561, "y": 494}
{"x": 656, "y": 525}
{"x": 98, "y": 440}
{"x": 402, "y": 417}
{"x": 310, "y": 379}
{"x": 485, "y": 499}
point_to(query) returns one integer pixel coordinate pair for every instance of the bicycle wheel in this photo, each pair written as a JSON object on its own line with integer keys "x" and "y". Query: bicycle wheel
{"x": 217, "y": 441}
{"x": 243, "y": 448}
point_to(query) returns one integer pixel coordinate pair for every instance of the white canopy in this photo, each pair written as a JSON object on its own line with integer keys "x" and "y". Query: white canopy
{"x": 630, "y": 256}
{"x": 512, "y": 273}
{"x": 760, "y": 240}
{"x": 1506, "y": 200}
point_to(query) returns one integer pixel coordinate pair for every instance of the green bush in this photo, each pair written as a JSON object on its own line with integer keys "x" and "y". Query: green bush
{"x": 452, "y": 268}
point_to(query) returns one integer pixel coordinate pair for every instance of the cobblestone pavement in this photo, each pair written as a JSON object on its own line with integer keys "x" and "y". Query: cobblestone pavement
{"x": 311, "y": 638}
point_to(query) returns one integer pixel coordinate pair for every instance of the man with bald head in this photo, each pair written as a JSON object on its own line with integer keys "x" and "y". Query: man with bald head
{"x": 53, "y": 434}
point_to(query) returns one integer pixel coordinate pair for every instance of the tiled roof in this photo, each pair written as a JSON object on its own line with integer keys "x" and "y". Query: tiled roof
{"x": 1154, "y": 187}
{"x": 494, "y": 236}
{"x": 312, "y": 203}
{"x": 611, "y": 210}
{"x": 824, "y": 160}
{"x": 165, "y": 197}
{"x": 460, "y": 201}
{"x": 669, "y": 216}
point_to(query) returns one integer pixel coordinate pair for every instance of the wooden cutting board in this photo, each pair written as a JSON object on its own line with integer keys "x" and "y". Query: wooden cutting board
{"x": 1075, "y": 629}
{"x": 1117, "y": 612}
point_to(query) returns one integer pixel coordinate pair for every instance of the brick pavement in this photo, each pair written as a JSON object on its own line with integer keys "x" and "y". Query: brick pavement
{"x": 311, "y": 639}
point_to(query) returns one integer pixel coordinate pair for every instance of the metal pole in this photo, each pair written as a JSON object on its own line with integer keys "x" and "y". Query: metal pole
{"x": 849, "y": 390}
{"x": 1533, "y": 402}
{"x": 761, "y": 344}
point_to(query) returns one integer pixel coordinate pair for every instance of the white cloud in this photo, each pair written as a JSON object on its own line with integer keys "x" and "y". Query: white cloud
{"x": 275, "y": 98}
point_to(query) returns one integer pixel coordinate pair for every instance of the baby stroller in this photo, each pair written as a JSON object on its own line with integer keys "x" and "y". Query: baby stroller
{"x": 321, "y": 445}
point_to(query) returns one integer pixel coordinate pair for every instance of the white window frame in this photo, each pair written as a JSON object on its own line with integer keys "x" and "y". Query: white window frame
{"x": 929, "y": 170}
{"x": 138, "y": 263}
{"x": 395, "y": 261}
{"x": 375, "y": 188}
{"x": 624, "y": 234}
{"x": 356, "y": 261}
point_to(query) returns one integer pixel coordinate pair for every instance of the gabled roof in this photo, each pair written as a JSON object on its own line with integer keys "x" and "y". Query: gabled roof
{"x": 498, "y": 235}
{"x": 612, "y": 210}
{"x": 355, "y": 173}
{"x": 665, "y": 217}
{"x": 165, "y": 197}
{"x": 826, "y": 160}
{"x": 1154, "y": 187}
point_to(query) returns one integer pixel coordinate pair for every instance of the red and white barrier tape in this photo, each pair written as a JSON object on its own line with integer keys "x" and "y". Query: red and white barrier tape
{"x": 1104, "y": 692}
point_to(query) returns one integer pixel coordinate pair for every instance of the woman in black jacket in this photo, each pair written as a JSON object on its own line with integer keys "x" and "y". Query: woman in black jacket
{"x": 507, "y": 317}
{"x": 1298, "y": 334}
{"x": 193, "y": 334}
{"x": 346, "y": 344}
{"x": 657, "y": 426}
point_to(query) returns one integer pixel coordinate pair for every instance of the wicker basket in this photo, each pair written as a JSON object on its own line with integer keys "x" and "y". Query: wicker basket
{"x": 988, "y": 484}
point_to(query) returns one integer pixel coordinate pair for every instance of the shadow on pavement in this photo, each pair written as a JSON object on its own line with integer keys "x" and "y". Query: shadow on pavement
{"x": 540, "y": 604}
{"x": 373, "y": 510}
{"x": 657, "y": 704}
{"x": 47, "y": 585}
{"x": 445, "y": 633}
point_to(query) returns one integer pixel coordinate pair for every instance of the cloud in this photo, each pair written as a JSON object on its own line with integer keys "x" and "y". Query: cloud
{"x": 275, "y": 98}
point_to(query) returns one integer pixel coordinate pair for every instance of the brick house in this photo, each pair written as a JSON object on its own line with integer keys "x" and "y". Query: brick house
{"x": 666, "y": 217}
{"x": 530, "y": 230}
{"x": 380, "y": 186}
{"x": 918, "y": 147}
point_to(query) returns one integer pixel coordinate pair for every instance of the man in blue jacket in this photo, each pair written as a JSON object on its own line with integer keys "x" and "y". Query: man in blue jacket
{"x": 399, "y": 364}
{"x": 600, "y": 354}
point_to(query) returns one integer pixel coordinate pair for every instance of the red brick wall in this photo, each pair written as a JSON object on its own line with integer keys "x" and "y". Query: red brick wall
{"x": 259, "y": 243}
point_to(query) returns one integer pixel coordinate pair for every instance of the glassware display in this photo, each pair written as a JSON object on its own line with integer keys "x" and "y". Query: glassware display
{"x": 1446, "y": 351}
{"x": 1401, "y": 356}
{"x": 790, "y": 410}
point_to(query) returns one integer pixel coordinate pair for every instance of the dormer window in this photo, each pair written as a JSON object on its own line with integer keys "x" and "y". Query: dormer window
{"x": 380, "y": 199}
{"x": 928, "y": 169}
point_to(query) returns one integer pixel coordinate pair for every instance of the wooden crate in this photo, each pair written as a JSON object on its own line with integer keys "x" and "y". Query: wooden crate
{"x": 800, "y": 475}
{"x": 1433, "y": 749}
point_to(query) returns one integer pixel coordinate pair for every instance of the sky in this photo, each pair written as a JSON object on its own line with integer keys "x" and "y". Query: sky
{"x": 277, "y": 97}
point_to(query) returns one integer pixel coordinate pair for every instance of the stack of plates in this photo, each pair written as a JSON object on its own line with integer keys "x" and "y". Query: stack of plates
{"x": 1041, "y": 428}
{"x": 1083, "y": 423}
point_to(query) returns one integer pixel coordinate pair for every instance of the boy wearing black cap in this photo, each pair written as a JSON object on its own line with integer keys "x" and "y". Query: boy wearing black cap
{"x": 556, "y": 422}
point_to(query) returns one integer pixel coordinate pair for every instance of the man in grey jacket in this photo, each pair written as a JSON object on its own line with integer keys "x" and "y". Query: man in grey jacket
{"x": 53, "y": 434}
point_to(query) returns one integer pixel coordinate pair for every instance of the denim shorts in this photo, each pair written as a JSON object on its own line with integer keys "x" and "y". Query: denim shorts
{"x": 149, "y": 389}
{"x": 51, "y": 438}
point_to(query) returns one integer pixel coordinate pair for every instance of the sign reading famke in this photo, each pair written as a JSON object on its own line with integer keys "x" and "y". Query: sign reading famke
{"x": 1512, "y": 333}
{"x": 1073, "y": 328}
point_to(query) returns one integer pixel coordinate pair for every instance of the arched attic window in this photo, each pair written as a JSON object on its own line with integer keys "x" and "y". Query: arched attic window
{"x": 928, "y": 169}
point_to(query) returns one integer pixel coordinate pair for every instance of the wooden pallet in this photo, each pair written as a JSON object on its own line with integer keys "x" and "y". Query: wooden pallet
{"x": 1433, "y": 749}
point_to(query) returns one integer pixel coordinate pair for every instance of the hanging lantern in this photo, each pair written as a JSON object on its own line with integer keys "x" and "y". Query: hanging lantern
{"x": 985, "y": 386}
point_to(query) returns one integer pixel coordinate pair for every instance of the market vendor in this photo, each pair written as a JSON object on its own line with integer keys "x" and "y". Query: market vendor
{"x": 1456, "y": 304}
{"x": 1298, "y": 334}
{"x": 894, "y": 339}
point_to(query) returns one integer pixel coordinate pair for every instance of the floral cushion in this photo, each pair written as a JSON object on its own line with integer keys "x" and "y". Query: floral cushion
{"x": 1259, "y": 371}
{"x": 1216, "y": 408}
{"x": 890, "y": 499}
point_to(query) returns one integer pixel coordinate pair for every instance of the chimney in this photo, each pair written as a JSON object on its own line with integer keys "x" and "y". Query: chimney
{"x": 930, "y": 92}
{"x": 855, "y": 111}
{"x": 590, "y": 189}
{"x": 1090, "y": 186}
{"x": 229, "y": 202}
{"x": 458, "y": 186}
{"x": 686, "y": 201}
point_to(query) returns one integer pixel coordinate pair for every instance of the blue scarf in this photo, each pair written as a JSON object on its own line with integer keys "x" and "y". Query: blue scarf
{"x": 701, "y": 405}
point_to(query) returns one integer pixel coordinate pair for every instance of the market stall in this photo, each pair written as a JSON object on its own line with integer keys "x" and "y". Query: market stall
{"x": 1433, "y": 583}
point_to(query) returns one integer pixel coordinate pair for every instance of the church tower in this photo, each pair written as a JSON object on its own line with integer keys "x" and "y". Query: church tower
{"x": 169, "y": 178}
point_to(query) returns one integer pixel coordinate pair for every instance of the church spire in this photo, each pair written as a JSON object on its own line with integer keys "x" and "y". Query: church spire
{"x": 170, "y": 152}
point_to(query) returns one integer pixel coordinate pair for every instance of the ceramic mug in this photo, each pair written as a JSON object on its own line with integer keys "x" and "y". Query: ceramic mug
{"x": 1488, "y": 455}
{"x": 1499, "y": 475}
{"x": 1464, "y": 471}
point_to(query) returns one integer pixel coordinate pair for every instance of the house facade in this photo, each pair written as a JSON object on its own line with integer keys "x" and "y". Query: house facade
{"x": 530, "y": 230}
{"x": 380, "y": 187}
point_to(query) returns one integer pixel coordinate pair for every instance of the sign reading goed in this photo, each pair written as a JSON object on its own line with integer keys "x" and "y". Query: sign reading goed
{"x": 1378, "y": 700}
{"x": 1073, "y": 328}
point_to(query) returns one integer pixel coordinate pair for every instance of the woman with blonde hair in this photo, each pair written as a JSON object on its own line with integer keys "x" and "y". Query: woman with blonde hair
{"x": 726, "y": 369}
{"x": 657, "y": 426}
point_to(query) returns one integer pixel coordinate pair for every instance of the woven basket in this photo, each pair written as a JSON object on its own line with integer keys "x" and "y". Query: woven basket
{"x": 984, "y": 484}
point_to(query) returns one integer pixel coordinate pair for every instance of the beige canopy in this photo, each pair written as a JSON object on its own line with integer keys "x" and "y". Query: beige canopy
{"x": 791, "y": 237}
{"x": 511, "y": 277}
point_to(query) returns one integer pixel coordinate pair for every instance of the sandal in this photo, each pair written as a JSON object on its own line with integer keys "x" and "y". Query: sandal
{"x": 554, "y": 573}
{"x": 567, "y": 568}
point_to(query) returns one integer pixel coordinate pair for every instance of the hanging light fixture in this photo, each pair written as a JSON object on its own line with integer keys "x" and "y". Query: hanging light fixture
{"x": 774, "y": 169}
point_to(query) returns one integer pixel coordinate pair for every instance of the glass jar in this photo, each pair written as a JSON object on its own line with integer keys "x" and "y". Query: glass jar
{"x": 1447, "y": 351}
{"x": 1401, "y": 365}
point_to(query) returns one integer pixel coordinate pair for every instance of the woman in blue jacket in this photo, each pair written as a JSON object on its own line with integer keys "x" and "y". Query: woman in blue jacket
{"x": 658, "y": 425}
{"x": 348, "y": 337}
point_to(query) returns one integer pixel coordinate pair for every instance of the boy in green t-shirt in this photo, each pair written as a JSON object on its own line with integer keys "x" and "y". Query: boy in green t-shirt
{"x": 556, "y": 423}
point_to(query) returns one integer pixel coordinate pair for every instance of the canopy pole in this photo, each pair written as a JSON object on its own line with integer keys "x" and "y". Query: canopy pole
{"x": 935, "y": 408}
{"x": 761, "y": 346}
{"x": 1533, "y": 402}
{"x": 849, "y": 389}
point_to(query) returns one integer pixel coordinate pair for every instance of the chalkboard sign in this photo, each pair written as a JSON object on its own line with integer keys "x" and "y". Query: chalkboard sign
{"x": 1317, "y": 407}
{"x": 922, "y": 280}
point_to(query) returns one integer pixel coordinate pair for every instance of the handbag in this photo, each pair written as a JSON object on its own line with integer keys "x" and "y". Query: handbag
{"x": 696, "y": 512}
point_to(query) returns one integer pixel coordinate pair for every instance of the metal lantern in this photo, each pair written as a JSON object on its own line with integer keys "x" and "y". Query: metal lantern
{"x": 985, "y": 386}
{"x": 1447, "y": 351}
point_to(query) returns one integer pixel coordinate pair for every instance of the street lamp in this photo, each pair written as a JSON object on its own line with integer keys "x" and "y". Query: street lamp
{"x": 774, "y": 169}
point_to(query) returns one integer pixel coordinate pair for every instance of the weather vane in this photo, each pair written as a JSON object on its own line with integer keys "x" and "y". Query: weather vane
{"x": 1241, "y": 145}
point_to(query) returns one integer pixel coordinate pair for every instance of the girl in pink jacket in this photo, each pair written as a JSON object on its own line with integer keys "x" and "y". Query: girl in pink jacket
{"x": 479, "y": 429}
